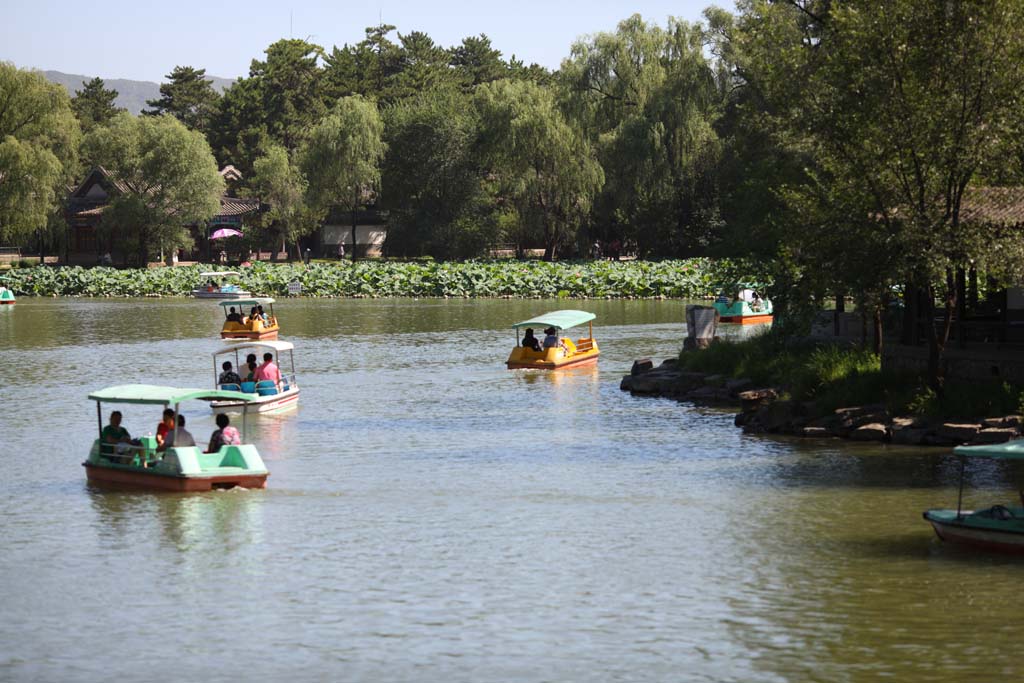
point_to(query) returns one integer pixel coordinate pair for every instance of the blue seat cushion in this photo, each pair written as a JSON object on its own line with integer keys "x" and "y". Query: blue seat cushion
{"x": 249, "y": 387}
{"x": 266, "y": 387}
{"x": 230, "y": 387}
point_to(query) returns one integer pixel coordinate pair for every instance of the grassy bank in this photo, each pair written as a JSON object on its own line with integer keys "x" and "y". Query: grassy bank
{"x": 691, "y": 278}
{"x": 835, "y": 377}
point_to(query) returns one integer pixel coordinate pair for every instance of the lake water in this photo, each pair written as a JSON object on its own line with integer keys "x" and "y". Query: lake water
{"x": 432, "y": 516}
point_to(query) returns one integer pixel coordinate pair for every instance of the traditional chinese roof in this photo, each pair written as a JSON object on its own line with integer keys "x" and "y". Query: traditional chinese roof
{"x": 233, "y": 206}
{"x": 1000, "y": 205}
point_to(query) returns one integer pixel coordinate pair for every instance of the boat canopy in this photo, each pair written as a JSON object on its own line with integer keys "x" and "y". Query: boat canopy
{"x": 151, "y": 394}
{"x": 219, "y": 273}
{"x": 560, "y": 320}
{"x": 253, "y": 301}
{"x": 1011, "y": 450}
{"x": 268, "y": 344}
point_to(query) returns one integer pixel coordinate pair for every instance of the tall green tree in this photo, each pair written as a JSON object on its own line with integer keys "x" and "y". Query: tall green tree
{"x": 902, "y": 107}
{"x": 544, "y": 166}
{"x": 341, "y": 158}
{"x": 187, "y": 96}
{"x": 290, "y": 84}
{"x": 279, "y": 183}
{"x": 432, "y": 179}
{"x": 94, "y": 104}
{"x": 648, "y": 97}
{"x": 39, "y": 138}
{"x": 476, "y": 61}
{"x": 170, "y": 176}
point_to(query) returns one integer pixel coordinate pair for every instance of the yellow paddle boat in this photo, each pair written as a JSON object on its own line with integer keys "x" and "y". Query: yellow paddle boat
{"x": 554, "y": 351}
{"x": 239, "y": 324}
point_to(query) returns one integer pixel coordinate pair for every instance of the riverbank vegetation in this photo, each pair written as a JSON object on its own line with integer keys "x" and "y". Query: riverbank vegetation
{"x": 686, "y": 279}
{"x": 829, "y": 377}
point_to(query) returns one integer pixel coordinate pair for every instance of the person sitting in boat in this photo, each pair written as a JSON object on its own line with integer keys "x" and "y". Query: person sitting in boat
{"x": 529, "y": 341}
{"x": 178, "y": 437}
{"x": 249, "y": 372}
{"x": 229, "y": 376}
{"x": 224, "y": 435}
{"x": 165, "y": 426}
{"x": 234, "y": 316}
{"x": 551, "y": 340}
{"x": 114, "y": 437}
{"x": 268, "y": 371}
{"x": 261, "y": 314}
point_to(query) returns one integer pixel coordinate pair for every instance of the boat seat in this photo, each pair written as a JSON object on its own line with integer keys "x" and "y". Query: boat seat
{"x": 266, "y": 387}
{"x": 249, "y": 387}
{"x": 230, "y": 387}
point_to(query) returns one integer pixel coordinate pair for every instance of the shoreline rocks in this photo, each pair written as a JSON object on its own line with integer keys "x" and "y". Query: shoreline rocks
{"x": 764, "y": 411}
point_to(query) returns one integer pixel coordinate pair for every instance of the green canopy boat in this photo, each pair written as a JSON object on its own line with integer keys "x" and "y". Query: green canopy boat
{"x": 995, "y": 528}
{"x": 141, "y": 463}
{"x": 567, "y": 353}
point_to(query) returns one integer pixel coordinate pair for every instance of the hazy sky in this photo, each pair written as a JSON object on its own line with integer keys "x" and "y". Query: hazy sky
{"x": 144, "y": 41}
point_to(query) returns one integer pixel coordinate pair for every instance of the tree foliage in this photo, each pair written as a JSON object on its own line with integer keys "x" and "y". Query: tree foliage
{"x": 342, "y": 156}
{"x": 544, "y": 167}
{"x": 94, "y": 104}
{"x": 433, "y": 180}
{"x": 279, "y": 183}
{"x": 648, "y": 98}
{"x": 38, "y": 151}
{"x": 169, "y": 176}
{"x": 187, "y": 96}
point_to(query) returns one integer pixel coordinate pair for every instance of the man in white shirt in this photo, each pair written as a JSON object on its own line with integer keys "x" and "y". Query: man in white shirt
{"x": 179, "y": 436}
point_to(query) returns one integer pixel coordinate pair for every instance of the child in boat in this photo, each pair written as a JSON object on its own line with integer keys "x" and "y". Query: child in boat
{"x": 529, "y": 341}
{"x": 166, "y": 425}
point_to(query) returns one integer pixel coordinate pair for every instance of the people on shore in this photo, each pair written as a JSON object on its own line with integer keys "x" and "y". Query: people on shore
{"x": 224, "y": 435}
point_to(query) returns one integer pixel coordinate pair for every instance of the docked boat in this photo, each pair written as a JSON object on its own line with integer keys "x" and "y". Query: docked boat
{"x": 216, "y": 285}
{"x": 999, "y": 527}
{"x": 140, "y": 464}
{"x": 746, "y": 308}
{"x": 245, "y": 326}
{"x": 566, "y": 353}
{"x": 265, "y": 396}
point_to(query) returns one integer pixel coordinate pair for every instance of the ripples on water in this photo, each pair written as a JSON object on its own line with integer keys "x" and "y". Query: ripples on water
{"x": 432, "y": 516}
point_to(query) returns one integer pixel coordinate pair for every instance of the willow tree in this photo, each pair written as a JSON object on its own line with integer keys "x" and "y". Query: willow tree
{"x": 341, "y": 158}
{"x": 280, "y": 184}
{"x": 38, "y": 151}
{"x": 902, "y": 101}
{"x": 648, "y": 97}
{"x": 543, "y": 166}
{"x": 167, "y": 175}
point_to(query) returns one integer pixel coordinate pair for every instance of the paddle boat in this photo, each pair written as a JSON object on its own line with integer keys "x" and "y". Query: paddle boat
{"x": 266, "y": 396}
{"x": 178, "y": 468}
{"x": 6, "y": 296}
{"x": 214, "y": 287}
{"x": 994, "y": 528}
{"x": 746, "y": 308}
{"x": 567, "y": 354}
{"x": 244, "y": 327}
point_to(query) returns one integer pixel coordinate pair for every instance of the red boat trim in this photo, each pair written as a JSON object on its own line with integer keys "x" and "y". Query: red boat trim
{"x": 551, "y": 366}
{"x": 746, "y": 319}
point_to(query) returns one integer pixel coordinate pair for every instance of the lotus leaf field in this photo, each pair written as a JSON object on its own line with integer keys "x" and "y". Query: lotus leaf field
{"x": 691, "y": 278}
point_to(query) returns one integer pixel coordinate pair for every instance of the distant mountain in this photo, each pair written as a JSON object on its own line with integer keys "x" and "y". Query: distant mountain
{"x": 131, "y": 95}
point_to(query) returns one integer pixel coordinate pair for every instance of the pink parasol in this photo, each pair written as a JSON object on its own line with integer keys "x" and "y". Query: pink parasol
{"x": 225, "y": 232}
